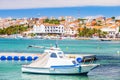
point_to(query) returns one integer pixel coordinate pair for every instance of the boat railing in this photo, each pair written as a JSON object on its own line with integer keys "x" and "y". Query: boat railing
{"x": 88, "y": 60}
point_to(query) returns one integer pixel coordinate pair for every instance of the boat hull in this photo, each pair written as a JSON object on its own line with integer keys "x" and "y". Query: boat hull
{"x": 75, "y": 70}
{"x": 88, "y": 67}
{"x": 84, "y": 69}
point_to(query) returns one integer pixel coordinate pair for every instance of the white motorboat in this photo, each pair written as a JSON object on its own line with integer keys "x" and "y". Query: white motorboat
{"x": 53, "y": 61}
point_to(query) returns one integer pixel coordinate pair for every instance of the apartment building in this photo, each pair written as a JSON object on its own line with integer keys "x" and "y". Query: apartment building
{"x": 112, "y": 31}
{"x": 48, "y": 28}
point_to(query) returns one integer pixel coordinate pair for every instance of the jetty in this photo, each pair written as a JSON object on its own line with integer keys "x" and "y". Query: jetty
{"x": 33, "y": 56}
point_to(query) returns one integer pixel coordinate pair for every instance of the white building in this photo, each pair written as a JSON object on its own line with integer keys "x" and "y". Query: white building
{"x": 70, "y": 31}
{"x": 38, "y": 29}
{"x": 111, "y": 31}
{"x": 49, "y": 29}
{"x": 69, "y": 19}
{"x": 58, "y": 29}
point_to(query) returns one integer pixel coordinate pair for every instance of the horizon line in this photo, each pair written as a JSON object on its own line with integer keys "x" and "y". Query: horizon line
{"x": 58, "y": 7}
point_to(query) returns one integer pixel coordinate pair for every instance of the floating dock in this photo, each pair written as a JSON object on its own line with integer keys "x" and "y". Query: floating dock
{"x": 31, "y": 56}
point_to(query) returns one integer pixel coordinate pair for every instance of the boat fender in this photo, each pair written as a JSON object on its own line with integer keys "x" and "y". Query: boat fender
{"x": 78, "y": 60}
{"x": 3, "y": 58}
{"x": 9, "y": 58}
{"x": 22, "y": 58}
{"x": 36, "y": 57}
{"x": 16, "y": 58}
{"x": 29, "y": 58}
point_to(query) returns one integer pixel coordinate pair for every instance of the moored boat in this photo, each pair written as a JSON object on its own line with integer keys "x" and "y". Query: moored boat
{"x": 53, "y": 61}
{"x": 105, "y": 39}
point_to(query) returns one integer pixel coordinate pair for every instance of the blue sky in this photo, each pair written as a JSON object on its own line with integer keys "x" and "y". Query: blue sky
{"x": 107, "y": 11}
{"x": 76, "y": 8}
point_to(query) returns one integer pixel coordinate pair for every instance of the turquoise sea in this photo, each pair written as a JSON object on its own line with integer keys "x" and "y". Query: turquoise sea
{"x": 107, "y": 52}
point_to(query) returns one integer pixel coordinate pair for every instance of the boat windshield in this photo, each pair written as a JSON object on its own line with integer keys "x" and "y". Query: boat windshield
{"x": 53, "y": 55}
{"x": 60, "y": 54}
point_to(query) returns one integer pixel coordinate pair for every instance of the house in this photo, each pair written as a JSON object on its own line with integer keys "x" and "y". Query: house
{"x": 71, "y": 28}
{"x": 111, "y": 30}
{"x": 38, "y": 29}
{"x": 47, "y": 29}
{"x": 54, "y": 29}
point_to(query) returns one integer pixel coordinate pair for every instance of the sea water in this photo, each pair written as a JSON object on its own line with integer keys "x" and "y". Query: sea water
{"x": 107, "y": 53}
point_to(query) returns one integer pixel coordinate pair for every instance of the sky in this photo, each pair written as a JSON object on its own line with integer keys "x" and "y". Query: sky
{"x": 76, "y": 8}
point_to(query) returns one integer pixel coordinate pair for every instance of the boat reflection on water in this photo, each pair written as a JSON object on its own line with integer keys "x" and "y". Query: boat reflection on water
{"x": 53, "y": 77}
{"x": 109, "y": 71}
{"x": 103, "y": 77}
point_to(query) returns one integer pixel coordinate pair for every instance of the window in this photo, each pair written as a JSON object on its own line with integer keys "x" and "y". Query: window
{"x": 53, "y": 55}
{"x": 60, "y": 54}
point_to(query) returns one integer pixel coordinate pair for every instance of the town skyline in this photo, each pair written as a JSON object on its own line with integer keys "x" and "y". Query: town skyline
{"x": 72, "y": 14}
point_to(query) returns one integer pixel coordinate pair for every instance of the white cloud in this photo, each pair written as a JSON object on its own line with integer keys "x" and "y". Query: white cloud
{"x": 21, "y": 4}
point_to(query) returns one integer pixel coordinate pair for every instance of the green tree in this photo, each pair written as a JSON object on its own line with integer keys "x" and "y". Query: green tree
{"x": 119, "y": 28}
{"x": 87, "y": 32}
{"x": 13, "y": 29}
{"x": 113, "y": 18}
{"x": 53, "y": 21}
{"x": 46, "y": 20}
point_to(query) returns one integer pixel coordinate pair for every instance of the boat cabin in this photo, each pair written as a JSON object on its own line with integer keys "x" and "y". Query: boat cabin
{"x": 55, "y": 53}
